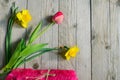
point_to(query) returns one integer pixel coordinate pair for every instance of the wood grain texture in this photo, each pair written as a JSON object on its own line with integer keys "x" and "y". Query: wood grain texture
{"x": 101, "y": 40}
{"x": 41, "y": 11}
{"x": 75, "y": 30}
{"x": 83, "y": 60}
{"x": 92, "y": 25}
{"x": 100, "y": 36}
{"x": 4, "y": 7}
{"x": 105, "y": 40}
{"x": 67, "y": 31}
{"x": 115, "y": 39}
{"x": 49, "y": 60}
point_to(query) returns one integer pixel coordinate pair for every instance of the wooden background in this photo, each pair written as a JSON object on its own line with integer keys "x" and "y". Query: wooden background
{"x": 93, "y": 25}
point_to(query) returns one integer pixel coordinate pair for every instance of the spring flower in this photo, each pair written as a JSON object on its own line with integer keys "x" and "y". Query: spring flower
{"x": 71, "y": 52}
{"x": 24, "y": 18}
{"x": 58, "y": 17}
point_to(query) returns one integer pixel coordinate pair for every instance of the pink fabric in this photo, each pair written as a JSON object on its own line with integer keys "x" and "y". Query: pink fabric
{"x": 30, "y": 74}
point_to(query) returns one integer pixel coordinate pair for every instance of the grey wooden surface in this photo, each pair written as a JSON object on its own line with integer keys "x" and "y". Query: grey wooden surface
{"x": 93, "y": 25}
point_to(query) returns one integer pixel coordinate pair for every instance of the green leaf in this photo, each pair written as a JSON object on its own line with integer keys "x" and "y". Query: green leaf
{"x": 35, "y": 32}
{"x": 32, "y": 49}
{"x": 39, "y": 53}
{"x": 8, "y": 39}
{"x": 21, "y": 53}
{"x": 32, "y": 56}
{"x": 29, "y": 50}
{"x": 15, "y": 56}
{"x": 8, "y": 45}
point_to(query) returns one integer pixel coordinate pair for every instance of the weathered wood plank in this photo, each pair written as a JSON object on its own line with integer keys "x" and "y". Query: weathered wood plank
{"x": 41, "y": 10}
{"x": 67, "y": 31}
{"x": 75, "y": 30}
{"x": 4, "y": 7}
{"x": 83, "y": 60}
{"x": 51, "y": 36}
{"x": 53, "y": 56}
{"x": 106, "y": 40}
{"x": 115, "y": 39}
{"x": 101, "y": 40}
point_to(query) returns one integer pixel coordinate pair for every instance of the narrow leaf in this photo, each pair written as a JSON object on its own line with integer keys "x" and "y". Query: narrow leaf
{"x": 35, "y": 32}
{"x": 16, "y": 54}
{"x": 32, "y": 56}
{"x": 8, "y": 45}
{"x": 32, "y": 49}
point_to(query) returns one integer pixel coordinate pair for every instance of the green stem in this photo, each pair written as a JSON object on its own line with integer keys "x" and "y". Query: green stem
{"x": 8, "y": 38}
{"x": 8, "y": 45}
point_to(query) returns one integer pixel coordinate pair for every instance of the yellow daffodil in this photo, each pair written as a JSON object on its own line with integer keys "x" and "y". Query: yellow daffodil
{"x": 24, "y": 18}
{"x": 71, "y": 52}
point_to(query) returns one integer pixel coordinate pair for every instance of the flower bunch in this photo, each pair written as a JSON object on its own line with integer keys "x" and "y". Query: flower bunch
{"x": 26, "y": 50}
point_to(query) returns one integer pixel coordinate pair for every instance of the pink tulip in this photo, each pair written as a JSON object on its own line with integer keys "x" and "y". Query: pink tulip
{"x": 58, "y": 17}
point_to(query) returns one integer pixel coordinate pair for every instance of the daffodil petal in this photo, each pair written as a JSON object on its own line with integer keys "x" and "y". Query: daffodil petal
{"x": 67, "y": 53}
{"x": 68, "y": 57}
{"x": 71, "y": 52}
{"x": 75, "y": 53}
{"x": 24, "y": 25}
{"x": 19, "y": 16}
{"x": 24, "y": 12}
{"x": 26, "y": 18}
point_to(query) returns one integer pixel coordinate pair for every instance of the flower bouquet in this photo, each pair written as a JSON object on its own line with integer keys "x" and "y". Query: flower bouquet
{"x": 25, "y": 49}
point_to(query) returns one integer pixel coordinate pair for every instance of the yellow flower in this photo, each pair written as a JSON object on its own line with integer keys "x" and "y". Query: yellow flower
{"x": 24, "y": 18}
{"x": 71, "y": 52}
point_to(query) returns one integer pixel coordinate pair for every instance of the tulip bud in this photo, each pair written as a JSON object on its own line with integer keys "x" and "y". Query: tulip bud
{"x": 58, "y": 17}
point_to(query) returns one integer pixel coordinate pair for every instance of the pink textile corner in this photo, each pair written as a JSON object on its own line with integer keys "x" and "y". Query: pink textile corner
{"x": 31, "y": 74}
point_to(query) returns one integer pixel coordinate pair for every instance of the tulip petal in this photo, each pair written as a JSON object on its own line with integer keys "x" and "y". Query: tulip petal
{"x": 58, "y": 17}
